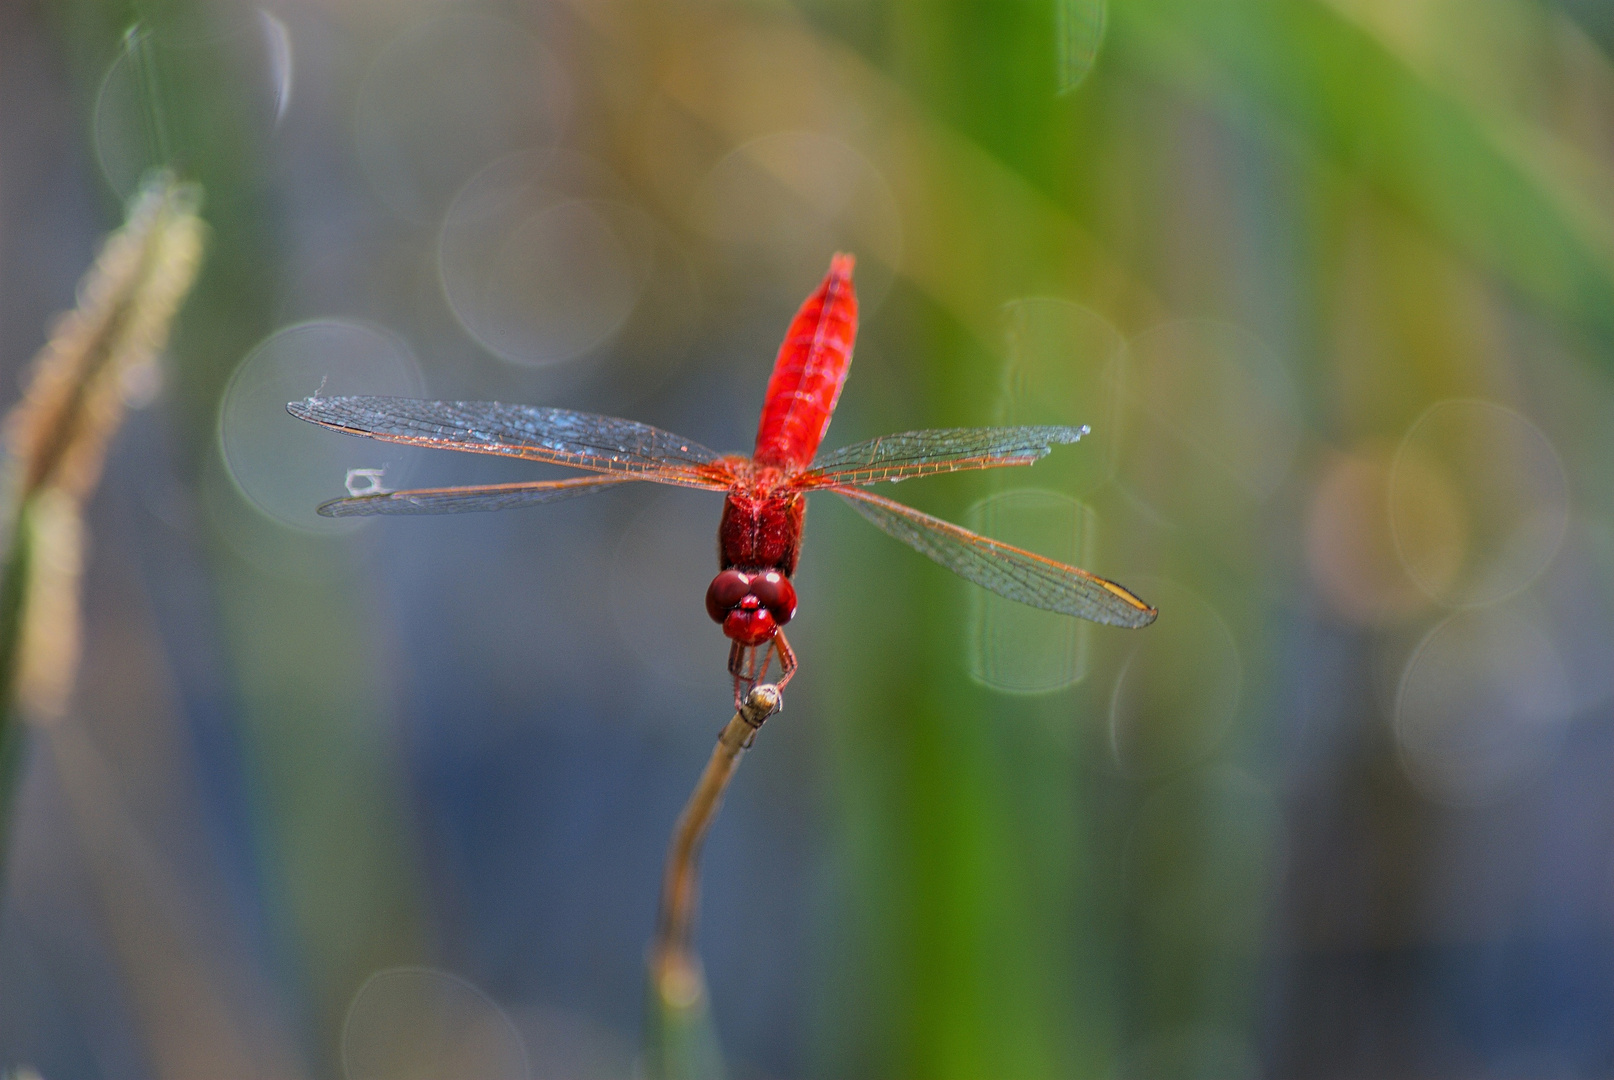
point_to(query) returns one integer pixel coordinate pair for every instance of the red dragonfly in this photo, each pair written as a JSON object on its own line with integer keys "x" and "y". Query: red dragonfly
{"x": 759, "y": 536}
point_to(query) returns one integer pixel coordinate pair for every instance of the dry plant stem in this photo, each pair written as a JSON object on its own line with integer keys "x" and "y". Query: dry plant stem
{"x": 675, "y": 970}
{"x": 56, "y": 440}
{"x": 13, "y": 596}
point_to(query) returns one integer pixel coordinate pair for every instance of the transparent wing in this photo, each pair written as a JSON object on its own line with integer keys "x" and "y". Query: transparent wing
{"x": 558, "y": 436}
{"x": 922, "y": 453}
{"x": 1008, "y": 571}
{"x": 465, "y": 500}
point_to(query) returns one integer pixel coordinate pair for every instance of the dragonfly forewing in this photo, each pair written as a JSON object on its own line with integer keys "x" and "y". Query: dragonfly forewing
{"x": 1006, "y": 570}
{"x": 941, "y": 450}
{"x": 558, "y": 436}
{"x": 466, "y": 500}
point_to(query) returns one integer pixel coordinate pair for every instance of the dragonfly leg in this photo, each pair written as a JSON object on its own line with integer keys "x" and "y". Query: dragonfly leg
{"x": 749, "y": 665}
{"x": 743, "y": 665}
{"x": 787, "y": 659}
{"x": 737, "y": 658}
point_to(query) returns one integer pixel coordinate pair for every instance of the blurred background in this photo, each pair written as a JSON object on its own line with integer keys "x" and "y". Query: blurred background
{"x": 1332, "y": 281}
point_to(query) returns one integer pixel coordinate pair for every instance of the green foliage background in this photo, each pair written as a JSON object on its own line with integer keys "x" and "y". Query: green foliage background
{"x": 1399, "y": 203}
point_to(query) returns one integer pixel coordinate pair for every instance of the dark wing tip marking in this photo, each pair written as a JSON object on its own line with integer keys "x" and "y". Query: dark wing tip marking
{"x": 1142, "y": 614}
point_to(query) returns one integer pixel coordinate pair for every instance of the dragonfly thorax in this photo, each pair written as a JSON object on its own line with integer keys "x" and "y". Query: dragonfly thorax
{"x": 761, "y": 528}
{"x": 751, "y": 606}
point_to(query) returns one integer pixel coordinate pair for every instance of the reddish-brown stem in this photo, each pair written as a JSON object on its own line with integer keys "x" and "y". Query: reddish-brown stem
{"x": 674, "y": 968}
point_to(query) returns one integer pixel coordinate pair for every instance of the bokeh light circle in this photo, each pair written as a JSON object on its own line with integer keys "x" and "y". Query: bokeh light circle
{"x": 1509, "y": 485}
{"x": 448, "y": 96}
{"x": 1350, "y": 546}
{"x": 791, "y": 198}
{"x": 424, "y": 1024}
{"x": 1179, "y": 690}
{"x": 1064, "y": 365}
{"x": 1015, "y": 648}
{"x": 285, "y": 466}
{"x": 1482, "y": 707}
{"x": 137, "y": 125}
{"x": 277, "y": 44}
{"x": 538, "y": 263}
{"x": 120, "y": 130}
{"x": 181, "y": 22}
{"x": 1210, "y": 418}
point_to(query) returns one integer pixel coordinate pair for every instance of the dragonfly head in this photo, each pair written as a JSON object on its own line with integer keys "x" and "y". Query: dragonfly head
{"x": 751, "y": 606}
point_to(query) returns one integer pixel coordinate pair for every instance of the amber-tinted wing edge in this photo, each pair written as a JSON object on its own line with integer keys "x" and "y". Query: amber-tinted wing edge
{"x": 1009, "y": 571}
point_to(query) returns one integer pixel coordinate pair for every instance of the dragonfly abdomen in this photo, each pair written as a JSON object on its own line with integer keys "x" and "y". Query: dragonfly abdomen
{"x": 809, "y": 372}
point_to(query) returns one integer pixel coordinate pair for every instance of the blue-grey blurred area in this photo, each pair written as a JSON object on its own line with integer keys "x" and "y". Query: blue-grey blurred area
{"x": 1332, "y": 284}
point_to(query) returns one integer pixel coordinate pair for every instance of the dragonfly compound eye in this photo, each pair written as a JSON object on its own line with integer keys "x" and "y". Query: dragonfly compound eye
{"x": 750, "y": 623}
{"x": 776, "y": 594}
{"x": 725, "y": 592}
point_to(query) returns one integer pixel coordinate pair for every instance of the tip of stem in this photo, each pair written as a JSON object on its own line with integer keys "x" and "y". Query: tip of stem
{"x": 761, "y": 703}
{"x": 678, "y": 982}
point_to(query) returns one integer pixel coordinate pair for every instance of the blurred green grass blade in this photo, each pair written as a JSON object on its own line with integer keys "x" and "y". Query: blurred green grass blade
{"x": 1346, "y": 97}
{"x": 680, "y": 1041}
{"x": 965, "y": 964}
